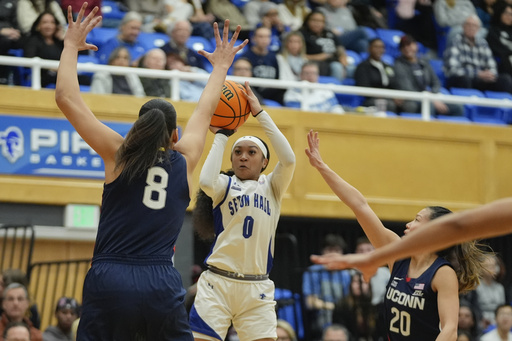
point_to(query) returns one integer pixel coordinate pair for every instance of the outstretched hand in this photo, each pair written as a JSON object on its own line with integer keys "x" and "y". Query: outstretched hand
{"x": 78, "y": 30}
{"x": 336, "y": 261}
{"x": 252, "y": 99}
{"x": 225, "y": 49}
{"x": 313, "y": 152}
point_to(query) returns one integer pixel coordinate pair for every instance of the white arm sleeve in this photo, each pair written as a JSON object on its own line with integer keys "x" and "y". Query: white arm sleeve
{"x": 281, "y": 176}
{"x": 210, "y": 179}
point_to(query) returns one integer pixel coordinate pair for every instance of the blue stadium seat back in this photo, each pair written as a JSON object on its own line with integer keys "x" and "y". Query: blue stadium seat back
{"x": 197, "y": 43}
{"x": 21, "y": 74}
{"x": 364, "y": 55}
{"x": 507, "y": 112}
{"x": 154, "y": 39}
{"x": 348, "y": 81}
{"x": 85, "y": 88}
{"x": 470, "y": 110}
{"x": 392, "y": 17}
{"x": 441, "y": 35}
{"x": 349, "y": 100}
{"x": 239, "y": 3}
{"x": 112, "y": 10}
{"x": 391, "y": 114}
{"x": 488, "y": 120}
{"x": 444, "y": 91}
{"x": 289, "y": 309}
{"x": 353, "y": 58}
{"x": 410, "y": 115}
{"x": 437, "y": 66}
{"x": 370, "y": 32}
{"x": 391, "y": 39}
{"x": 271, "y": 103}
{"x": 388, "y": 59}
{"x": 99, "y": 35}
{"x": 328, "y": 80}
{"x": 448, "y": 118}
{"x": 84, "y": 58}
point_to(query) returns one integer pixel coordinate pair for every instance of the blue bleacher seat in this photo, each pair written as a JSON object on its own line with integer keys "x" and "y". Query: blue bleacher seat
{"x": 410, "y": 115}
{"x": 154, "y": 39}
{"x": 459, "y": 119}
{"x": 271, "y": 103}
{"x": 200, "y": 43}
{"x": 370, "y": 32}
{"x": 353, "y": 58}
{"x": 479, "y": 114}
{"x": 507, "y": 112}
{"x": 328, "y": 80}
{"x": 437, "y": 66}
{"x": 288, "y": 306}
{"x": 100, "y": 35}
{"x": 391, "y": 39}
{"x": 112, "y": 13}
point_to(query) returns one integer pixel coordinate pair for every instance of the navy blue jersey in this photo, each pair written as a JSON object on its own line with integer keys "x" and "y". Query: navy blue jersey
{"x": 411, "y": 311}
{"x": 263, "y": 66}
{"x": 144, "y": 217}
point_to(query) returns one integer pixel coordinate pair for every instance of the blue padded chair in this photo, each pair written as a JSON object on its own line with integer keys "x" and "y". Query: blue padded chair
{"x": 437, "y": 66}
{"x": 448, "y": 118}
{"x": 349, "y": 100}
{"x": 99, "y": 35}
{"x": 391, "y": 39}
{"x": 370, "y": 32}
{"x": 410, "y": 115}
{"x": 154, "y": 39}
{"x": 197, "y": 43}
{"x": 353, "y": 58}
{"x": 507, "y": 112}
{"x": 479, "y": 114}
{"x": 112, "y": 13}
{"x": 288, "y": 306}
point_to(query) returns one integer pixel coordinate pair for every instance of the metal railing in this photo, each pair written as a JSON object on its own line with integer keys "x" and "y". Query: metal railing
{"x": 16, "y": 247}
{"x": 426, "y": 98}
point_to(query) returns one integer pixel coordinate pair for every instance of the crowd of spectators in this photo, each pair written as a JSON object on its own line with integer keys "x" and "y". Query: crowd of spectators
{"x": 471, "y": 37}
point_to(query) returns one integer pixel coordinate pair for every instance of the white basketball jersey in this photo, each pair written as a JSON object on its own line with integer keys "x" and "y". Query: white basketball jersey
{"x": 245, "y": 225}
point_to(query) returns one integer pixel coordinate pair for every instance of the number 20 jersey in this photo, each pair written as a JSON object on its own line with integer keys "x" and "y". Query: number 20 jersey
{"x": 411, "y": 310}
{"x": 245, "y": 225}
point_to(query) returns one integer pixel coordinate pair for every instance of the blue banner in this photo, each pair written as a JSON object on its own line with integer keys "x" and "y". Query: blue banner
{"x": 49, "y": 147}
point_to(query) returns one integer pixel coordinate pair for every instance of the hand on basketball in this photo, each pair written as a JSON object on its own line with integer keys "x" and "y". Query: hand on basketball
{"x": 252, "y": 99}
{"x": 313, "y": 152}
{"x": 225, "y": 49}
{"x": 78, "y": 30}
{"x": 227, "y": 132}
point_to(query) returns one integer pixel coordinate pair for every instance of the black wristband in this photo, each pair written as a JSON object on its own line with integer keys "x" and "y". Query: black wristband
{"x": 227, "y": 132}
{"x": 259, "y": 112}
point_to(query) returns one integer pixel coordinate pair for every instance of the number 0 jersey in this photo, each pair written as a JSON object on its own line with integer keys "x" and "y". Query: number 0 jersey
{"x": 411, "y": 304}
{"x": 144, "y": 217}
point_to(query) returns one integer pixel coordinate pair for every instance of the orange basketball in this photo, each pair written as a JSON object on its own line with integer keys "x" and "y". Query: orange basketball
{"x": 233, "y": 109}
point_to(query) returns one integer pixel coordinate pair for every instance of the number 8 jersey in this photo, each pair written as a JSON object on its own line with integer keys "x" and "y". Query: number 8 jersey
{"x": 411, "y": 304}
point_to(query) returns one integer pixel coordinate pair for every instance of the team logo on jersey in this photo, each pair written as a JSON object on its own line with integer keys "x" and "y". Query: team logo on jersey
{"x": 418, "y": 293}
{"x": 236, "y": 187}
{"x": 12, "y": 143}
{"x": 395, "y": 281}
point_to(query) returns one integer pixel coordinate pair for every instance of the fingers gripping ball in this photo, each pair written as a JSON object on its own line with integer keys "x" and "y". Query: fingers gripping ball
{"x": 233, "y": 108}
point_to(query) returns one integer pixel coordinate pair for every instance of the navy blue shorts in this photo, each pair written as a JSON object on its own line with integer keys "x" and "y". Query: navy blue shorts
{"x": 125, "y": 301}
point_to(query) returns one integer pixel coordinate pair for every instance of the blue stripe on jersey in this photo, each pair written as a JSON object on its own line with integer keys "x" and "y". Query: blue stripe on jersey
{"x": 199, "y": 326}
{"x": 270, "y": 259}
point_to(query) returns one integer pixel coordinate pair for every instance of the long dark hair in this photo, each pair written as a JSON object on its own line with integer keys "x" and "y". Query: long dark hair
{"x": 34, "y": 31}
{"x": 467, "y": 258}
{"x": 148, "y": 139}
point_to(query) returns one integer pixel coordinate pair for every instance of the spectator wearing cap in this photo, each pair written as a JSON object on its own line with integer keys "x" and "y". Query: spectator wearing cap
{"x": 66, "y": 312}
{"x": 16, "y": 305}
{"x": 416, "y": 74}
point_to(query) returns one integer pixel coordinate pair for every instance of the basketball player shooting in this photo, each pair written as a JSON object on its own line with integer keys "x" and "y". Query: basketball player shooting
{"x": 246, "y": 206}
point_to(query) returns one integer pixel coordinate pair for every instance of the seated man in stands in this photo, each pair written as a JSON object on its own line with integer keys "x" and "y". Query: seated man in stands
{"x": 66, "y": 313}
{"x": 180, "y": 32}
{"x": 469, "y": 62}
{"x": 15, "y": 304}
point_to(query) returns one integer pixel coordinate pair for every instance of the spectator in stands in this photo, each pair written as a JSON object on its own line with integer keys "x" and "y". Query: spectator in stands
{"x": 317, "y": 100}
{"x": 158, "y": 87}
{"x": 66, "y": 312}
{"x": 128, "y": 36}
{"x": 336, "y": 332}
{"x": 374, "y": 73}
{"x": 225, "y": 9}
{"x": 16, "y": 331}
{"x": 341, "y": 22}
{"x": 468, "y": 321}
{"x": 356, "y": 311}
{"x": 452, "y": 14}
{"x": 485, "y": 11}
{"x": 323, "y": 47}
{"x": 10, "y": 35}
{"x": 180, "y": 32}
{"x": 201, "y": 21}
{"x": 189, "y": 90}
{"x": 416, "y": 18}
{"x": 285, "y": 331}
{"x": 251, "y": 12}
{"x": 242, "y": 67}
{"x": 29, "y": 10}
{"x": 490, "y": 293}
{"x": 269, "y": 18}
{"x": 469, "y": 62}
{"x": 500, "y": 36}
{"x": 293, "y": 12}
{"x": 18, "y": 276}
{"x": 45, "y": 41}
{"x": 151, "y": 12}
{"x": 503, "y": 325}
{"x": 264, "y": 62}
{"x": 103, "y": 82}
{"x": 416, "y": 74}
{"x": 292, "y": 56}
{"x": 322, "y": 288}
{"x": 77, "y": 4}
{"x": 15, "y": 304}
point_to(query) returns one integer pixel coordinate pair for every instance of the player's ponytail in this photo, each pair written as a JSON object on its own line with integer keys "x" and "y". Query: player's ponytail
{"x": 147, "y": 140}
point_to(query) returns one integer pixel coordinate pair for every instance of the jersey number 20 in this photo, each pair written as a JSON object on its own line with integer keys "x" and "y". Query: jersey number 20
{"x": 154, "y": 192}
{"x": 401, "y": 322}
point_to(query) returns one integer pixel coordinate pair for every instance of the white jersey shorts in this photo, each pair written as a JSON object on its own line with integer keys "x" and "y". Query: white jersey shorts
{"x": 220, "y": 301}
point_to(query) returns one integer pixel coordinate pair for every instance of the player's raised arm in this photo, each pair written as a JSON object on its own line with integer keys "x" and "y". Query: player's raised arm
{"x": 192, "y": 143}
{"x": 102, "y": 139}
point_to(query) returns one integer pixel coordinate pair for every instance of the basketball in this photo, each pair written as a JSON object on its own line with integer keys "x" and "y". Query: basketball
{"x": 233, "y": 109}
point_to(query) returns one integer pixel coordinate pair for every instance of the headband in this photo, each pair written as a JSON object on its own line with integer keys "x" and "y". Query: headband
{"x": 255, "y": 140}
